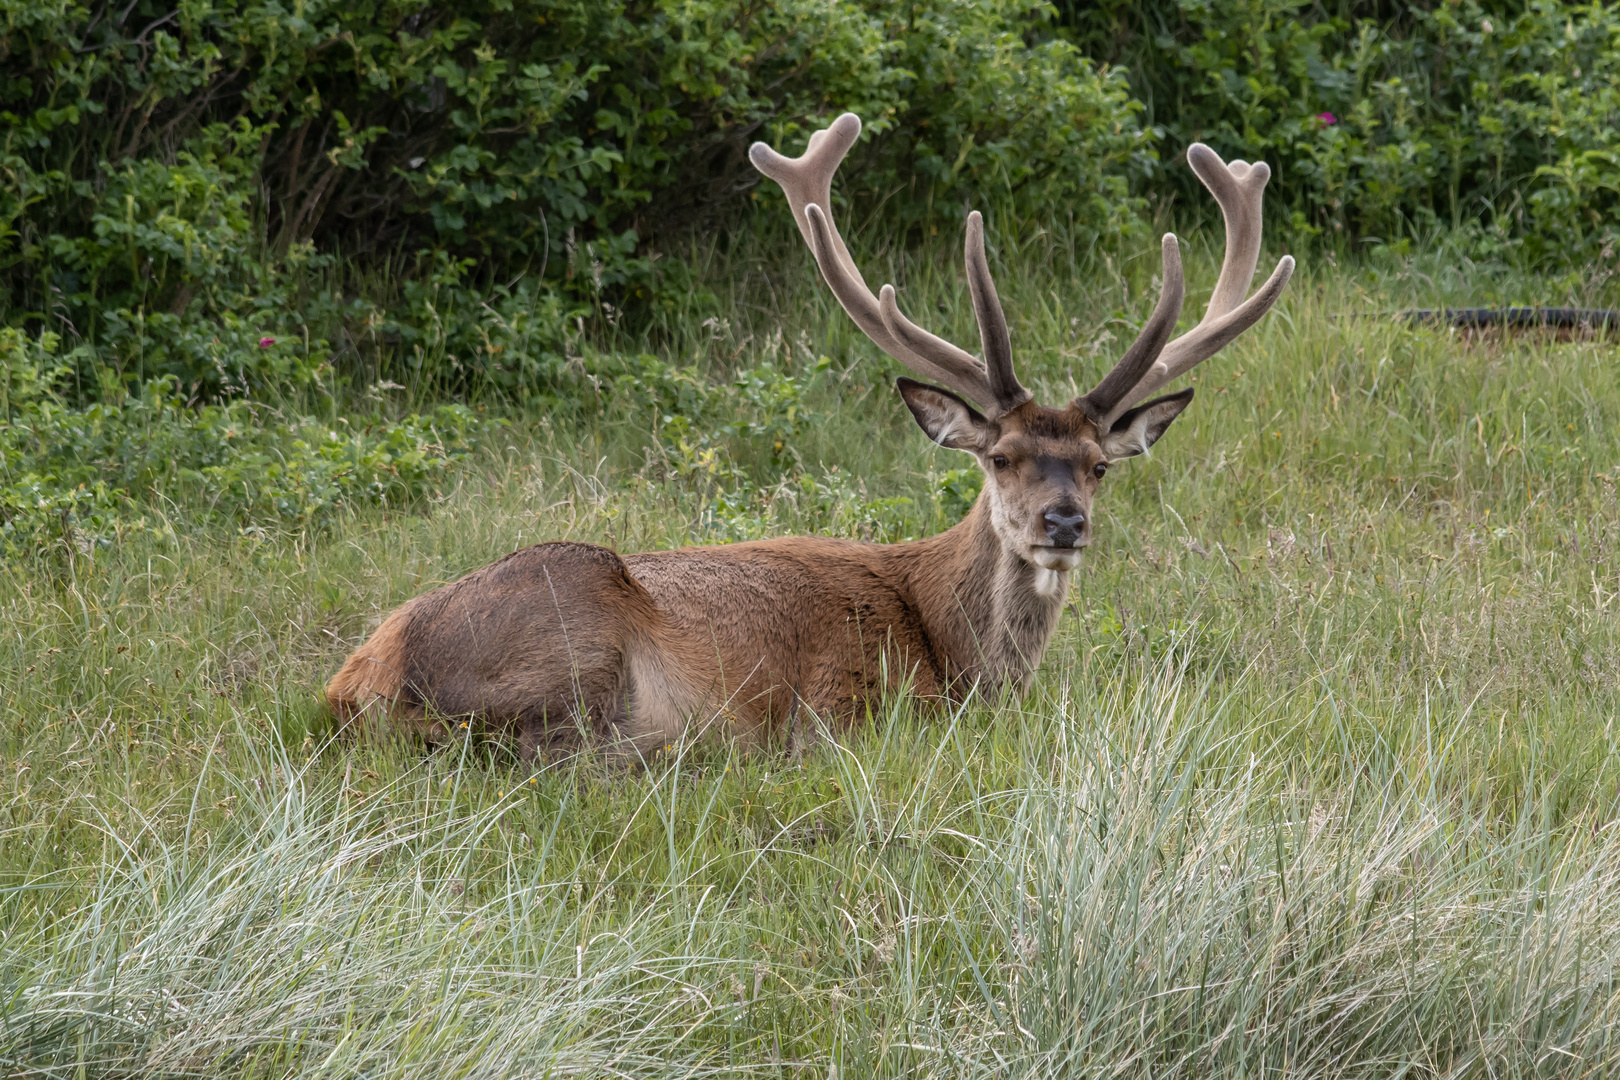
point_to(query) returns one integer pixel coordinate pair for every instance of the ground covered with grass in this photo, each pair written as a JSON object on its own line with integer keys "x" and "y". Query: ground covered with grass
{"x": 1319, "y": 778}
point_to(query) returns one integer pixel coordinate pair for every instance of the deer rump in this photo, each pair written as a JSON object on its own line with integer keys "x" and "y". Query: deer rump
{"x": 569, "y": 644}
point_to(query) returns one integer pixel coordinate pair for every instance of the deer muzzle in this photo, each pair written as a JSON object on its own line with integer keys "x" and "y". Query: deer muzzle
{"x": 1066, "y": 527}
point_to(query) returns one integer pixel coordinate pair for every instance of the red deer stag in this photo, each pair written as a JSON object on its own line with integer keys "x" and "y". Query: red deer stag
{"x": 565, "y": 641}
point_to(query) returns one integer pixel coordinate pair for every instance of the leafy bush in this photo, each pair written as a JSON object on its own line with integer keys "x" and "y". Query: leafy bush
{"x": 1392, "y": 119}
{"x": 169, "y": 173}
{"x": 74, "y": 478}
{"x": 978, "y": 113}
{"x": 209, "y": 211}
{"x": 715, "y": 437}
{"x": 957, "y": 491}
{"x": 215, "y": 193}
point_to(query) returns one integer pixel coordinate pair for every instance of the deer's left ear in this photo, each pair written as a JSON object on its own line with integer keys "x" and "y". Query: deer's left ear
{"x": 946, "y": 418}
{"x": 1141, "y": 427}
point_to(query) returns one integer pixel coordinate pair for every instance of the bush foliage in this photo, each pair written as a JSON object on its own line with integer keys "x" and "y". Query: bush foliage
{"x": 1392, "y": 119}
{"x": 166, "y": 166}
{"x": 73, "y": 479}
{"x": 210, "y": 212}
{"x": 172, "y": 176}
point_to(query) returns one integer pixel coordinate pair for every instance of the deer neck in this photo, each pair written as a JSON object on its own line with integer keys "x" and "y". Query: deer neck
{"x": 988, "y": 610}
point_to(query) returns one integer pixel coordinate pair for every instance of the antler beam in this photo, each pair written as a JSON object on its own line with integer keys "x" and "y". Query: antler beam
{"x": 1239, "y": 189}
{"x": 1139, "y": 358}
{"x": 807, "y": 182}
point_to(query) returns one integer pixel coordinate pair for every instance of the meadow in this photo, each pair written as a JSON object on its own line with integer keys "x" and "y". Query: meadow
{"x": 1320, "y": 777}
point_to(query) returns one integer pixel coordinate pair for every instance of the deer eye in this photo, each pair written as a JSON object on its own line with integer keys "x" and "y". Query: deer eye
{"x": 1000, "y": 462}
{"x": 1098, "y": 469}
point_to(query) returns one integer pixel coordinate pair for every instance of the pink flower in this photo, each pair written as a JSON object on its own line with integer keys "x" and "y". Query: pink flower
{"x": 266, "y": 342}
{"x": 1327, "y": 119}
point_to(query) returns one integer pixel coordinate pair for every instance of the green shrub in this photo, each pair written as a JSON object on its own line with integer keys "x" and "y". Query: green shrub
{"x": 79, "y": 476}
{"x": 719, "y": 436}
{"x": 957, "y": 490}
{"x": 978, "y": 113}
{"x": 174, "y": 179}
{"x": 1391, "y": 120}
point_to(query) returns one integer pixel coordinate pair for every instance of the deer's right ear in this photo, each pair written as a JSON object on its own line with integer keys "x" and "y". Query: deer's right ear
{"x": 946, "y": 418}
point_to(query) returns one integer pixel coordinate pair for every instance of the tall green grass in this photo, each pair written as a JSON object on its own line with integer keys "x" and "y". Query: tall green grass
{"x": 1318, "y": 779}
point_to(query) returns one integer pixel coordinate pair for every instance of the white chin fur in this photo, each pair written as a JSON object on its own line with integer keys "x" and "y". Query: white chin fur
{"x": 1055, "y": 558}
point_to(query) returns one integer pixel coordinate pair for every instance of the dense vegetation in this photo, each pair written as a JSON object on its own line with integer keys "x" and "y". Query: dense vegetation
{"x": 1389, "y": 121}
{"x": 206, "y": 204}
{"x": 305, "y": 308}
{"x": 171, "y": 169}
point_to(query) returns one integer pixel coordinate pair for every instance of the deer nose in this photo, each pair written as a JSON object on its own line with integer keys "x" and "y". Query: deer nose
{"x": 1064, "y": 525}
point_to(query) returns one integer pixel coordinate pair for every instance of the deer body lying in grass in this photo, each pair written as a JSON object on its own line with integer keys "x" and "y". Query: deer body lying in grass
{"x": 562, "y": 640}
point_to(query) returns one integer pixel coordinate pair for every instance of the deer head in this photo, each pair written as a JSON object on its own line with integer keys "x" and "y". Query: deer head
{"x": 1042, "y": 465}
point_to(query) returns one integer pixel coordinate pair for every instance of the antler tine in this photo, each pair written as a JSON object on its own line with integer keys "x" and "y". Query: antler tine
{"x": 1000, "y": 390}
{"x": 807, "y": 182}
{"x": 1148, "y": 344}
{"x": 956, "y": 368}
{"x": 1239, "y": 188}
{"x": 992, "y": 320}
{"x": 807, "y": 179}
{"x": 922, "y": 352}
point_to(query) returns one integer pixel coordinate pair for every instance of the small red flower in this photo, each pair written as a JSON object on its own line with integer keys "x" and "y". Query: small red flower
{"x": 1327, "y": 119}
{"x": 266, "y": 342}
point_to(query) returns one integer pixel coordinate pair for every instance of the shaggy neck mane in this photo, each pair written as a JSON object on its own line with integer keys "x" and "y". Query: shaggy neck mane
{"x": 988, "y": 611}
